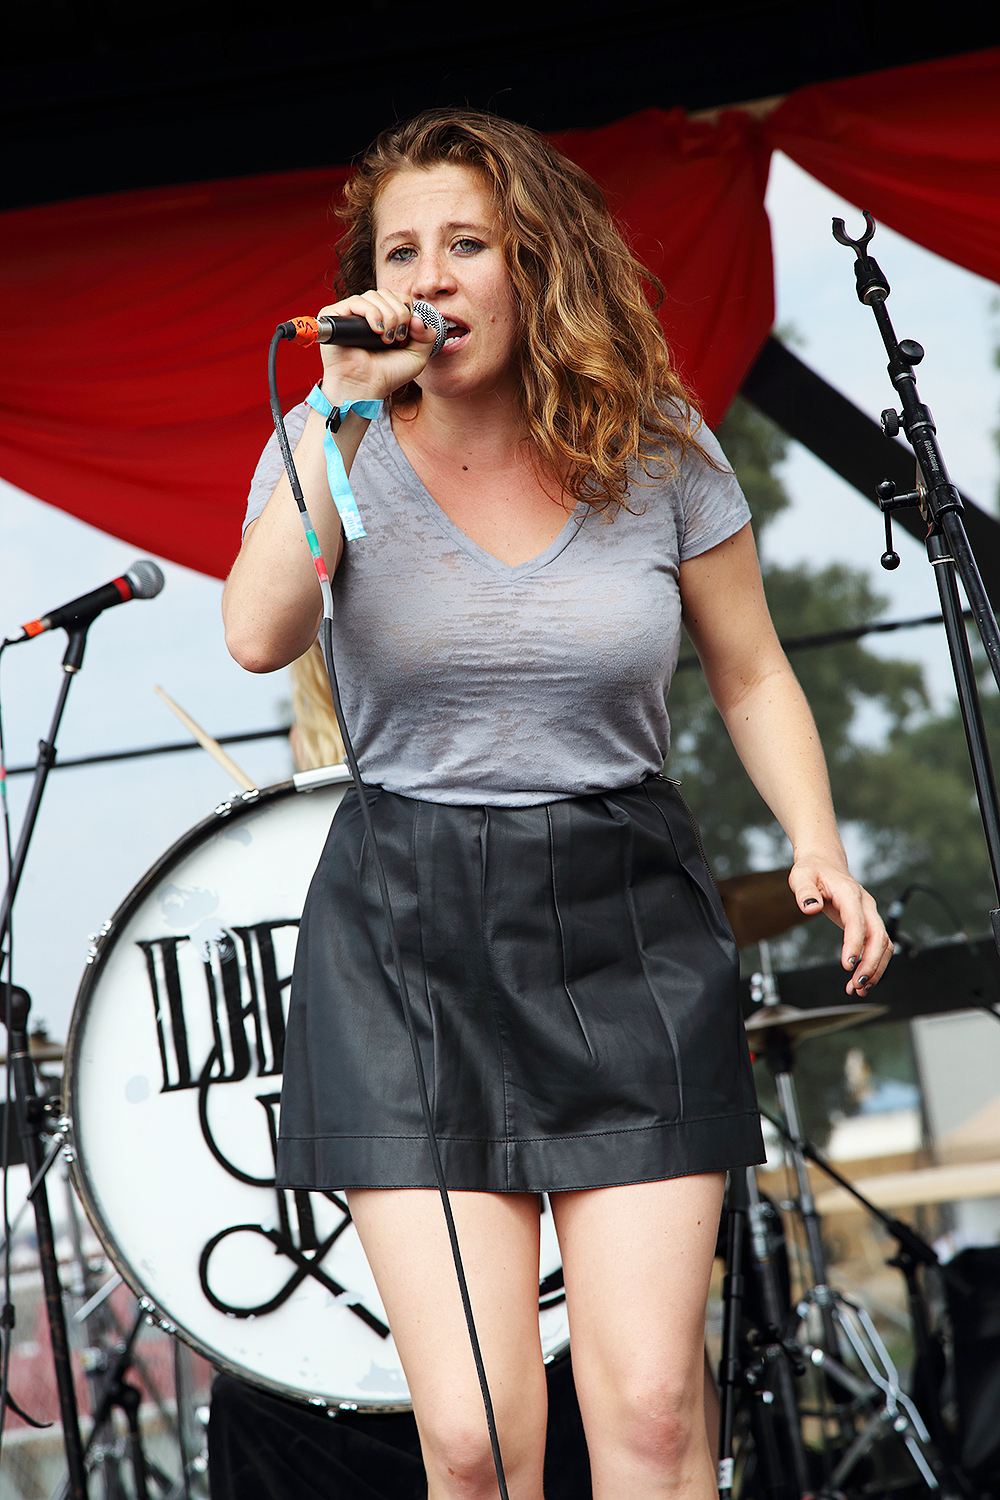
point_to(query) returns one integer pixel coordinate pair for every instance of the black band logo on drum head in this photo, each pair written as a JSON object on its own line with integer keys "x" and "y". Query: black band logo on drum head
{"x": 306, "y": 1252}
{"x": 245, "y": 1003}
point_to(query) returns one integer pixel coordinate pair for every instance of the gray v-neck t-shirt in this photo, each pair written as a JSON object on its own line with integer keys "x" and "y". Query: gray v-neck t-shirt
{"x": 467, "y": 681}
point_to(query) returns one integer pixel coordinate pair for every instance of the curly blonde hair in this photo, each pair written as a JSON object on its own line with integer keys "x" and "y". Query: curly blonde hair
{"x": 599, "y": 394}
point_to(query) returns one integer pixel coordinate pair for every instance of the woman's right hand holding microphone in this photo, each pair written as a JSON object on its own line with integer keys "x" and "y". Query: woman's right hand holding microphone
{"x": 363, "y": 375}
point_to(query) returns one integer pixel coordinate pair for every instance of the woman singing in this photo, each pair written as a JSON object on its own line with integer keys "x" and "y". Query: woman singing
{"x": 542, "y": 506}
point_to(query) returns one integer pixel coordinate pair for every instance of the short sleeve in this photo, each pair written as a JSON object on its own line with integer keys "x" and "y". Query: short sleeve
{"x": 712, "y": 506}
{"x": 270, "y": 465}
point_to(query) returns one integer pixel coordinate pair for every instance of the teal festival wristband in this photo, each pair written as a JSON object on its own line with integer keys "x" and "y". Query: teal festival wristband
{"x": 336, "y": 474}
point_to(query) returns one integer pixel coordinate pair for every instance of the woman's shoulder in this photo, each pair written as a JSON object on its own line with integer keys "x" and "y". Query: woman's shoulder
{"x": 694, "y": 484}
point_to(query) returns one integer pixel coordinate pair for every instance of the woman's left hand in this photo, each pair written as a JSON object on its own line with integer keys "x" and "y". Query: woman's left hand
{"x": 822, "y": 884}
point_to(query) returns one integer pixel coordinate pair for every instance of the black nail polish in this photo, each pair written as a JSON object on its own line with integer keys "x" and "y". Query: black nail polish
{"x": 862, "y": 981}
{"x": 852, "y": 962}
{"x": 381, "y": 327}
{"x": 401, "y": 332}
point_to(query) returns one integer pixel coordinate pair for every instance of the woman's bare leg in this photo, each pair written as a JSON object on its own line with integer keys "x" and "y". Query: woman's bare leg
{"x": 637, "y": 1261}
{"x": 406, "y": 1240}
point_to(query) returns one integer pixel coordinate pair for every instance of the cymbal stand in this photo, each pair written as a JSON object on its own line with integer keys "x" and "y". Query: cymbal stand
{"x": 778, "y": 1051}
{"x": 844, "y": 1325}
{"x": 778, "y": 1351}
{"x": 912, "y": 1253}
{"x": 777, "y": 1046}
{"x": 896, "y": 1415}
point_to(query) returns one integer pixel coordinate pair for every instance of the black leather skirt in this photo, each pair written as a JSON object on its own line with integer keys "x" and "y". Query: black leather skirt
{"x": 574, "y": 984}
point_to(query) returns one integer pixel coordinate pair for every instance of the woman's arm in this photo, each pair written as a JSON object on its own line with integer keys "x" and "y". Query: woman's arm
{"x": 271, "y": 604}
{"x": 772, "y": 728}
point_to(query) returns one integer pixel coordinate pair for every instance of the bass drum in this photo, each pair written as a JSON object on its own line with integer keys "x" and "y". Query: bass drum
{"x": 173, "y": 1080}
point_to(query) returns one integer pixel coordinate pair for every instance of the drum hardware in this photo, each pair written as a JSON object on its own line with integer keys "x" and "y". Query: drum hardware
{"x": 763, "y": 1363}
{"x": 892, "y": 1412}
{"x": 41, "y": 1049}
{"x": 912, "y": 1253}
{"x": 108, "y": 1371}
{"x": 109, "y": 1357}
{"x": 877, "y": 1401}
{"x": 33, "y": 1118}
{"x": 937, "y": 979}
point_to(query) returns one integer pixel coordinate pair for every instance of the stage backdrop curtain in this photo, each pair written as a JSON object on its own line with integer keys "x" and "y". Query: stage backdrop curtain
{"x": 918, "y": 147}
{"x": 134, "y": 341}
{"x": 134, "y": 326}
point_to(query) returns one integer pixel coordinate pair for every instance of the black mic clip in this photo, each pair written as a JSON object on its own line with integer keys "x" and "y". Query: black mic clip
{"x": 872, "y": 285}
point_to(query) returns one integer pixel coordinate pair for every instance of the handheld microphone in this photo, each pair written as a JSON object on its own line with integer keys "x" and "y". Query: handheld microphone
{"x": 144, "y": 580}
{"x": 355, "y": 333}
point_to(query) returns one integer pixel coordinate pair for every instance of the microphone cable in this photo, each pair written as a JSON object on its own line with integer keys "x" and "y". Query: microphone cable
{"x": 326, "y": 642}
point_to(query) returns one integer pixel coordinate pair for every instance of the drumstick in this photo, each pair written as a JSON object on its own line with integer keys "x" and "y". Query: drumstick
{"x": 207, "y": 743}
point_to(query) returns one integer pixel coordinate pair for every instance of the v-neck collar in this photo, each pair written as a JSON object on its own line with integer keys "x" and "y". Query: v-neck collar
{"x": 511, "y": 573}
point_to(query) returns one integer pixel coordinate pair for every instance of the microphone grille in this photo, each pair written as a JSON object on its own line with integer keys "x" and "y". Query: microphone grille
{"x": 434, "y": 320}
{"x": 146, "y": 579}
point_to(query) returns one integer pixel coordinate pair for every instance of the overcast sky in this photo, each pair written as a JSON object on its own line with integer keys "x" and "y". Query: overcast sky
{"x": 100, "y": 829}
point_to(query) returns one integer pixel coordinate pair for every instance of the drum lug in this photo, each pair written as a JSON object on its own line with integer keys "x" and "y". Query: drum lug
{"x": 149, "y": 1308}
{"x": 225, "y": 808}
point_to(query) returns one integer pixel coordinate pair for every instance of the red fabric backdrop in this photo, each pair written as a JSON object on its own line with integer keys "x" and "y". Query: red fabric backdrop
{"x": 134, "y": 327}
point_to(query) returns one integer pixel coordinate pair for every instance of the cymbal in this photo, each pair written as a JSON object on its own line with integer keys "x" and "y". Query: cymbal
{"x": 760, "y": 905}
{"x": 802, "y": 1023}
{"x": 40, "y": 1050}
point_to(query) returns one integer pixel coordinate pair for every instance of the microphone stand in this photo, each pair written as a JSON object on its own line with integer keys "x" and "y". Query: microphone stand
{"x": 948, "y": 547}
{"x": 30, "y": 1109}
{"x": 71, "y": 663}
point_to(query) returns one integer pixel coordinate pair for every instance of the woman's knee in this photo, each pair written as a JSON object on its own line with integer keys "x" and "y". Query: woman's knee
{"x": 458, "y": 1454}
{"x": 661, "y": 1424}
{"x": 459, "y": 1460}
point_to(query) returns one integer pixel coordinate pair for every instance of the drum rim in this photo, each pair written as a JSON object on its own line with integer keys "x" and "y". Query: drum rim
{"x": 235, "y": 809}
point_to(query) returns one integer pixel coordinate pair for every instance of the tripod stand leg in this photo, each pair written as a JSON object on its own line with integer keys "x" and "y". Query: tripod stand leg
{"x": 777, "y": 1319}
{"x": 129, "y": 1397}
{"x": 732, "y": 1298}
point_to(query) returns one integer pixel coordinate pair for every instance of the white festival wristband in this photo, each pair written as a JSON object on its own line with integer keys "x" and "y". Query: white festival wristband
{"x": 336, "y": 474}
